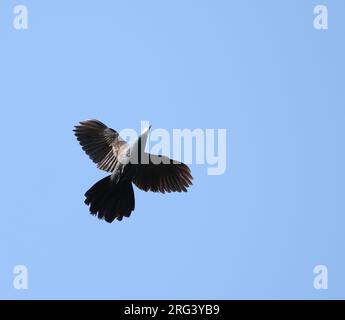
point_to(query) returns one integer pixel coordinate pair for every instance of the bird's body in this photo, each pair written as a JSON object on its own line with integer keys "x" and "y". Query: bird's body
{"x": 113, "y": 196}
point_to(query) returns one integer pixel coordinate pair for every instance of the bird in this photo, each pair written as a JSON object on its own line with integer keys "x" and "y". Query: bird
{"x": 112, "y": 198}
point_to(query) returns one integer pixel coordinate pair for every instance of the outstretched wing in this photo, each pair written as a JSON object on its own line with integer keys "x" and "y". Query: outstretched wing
{"x": 100, "y": 143}
{"x": 162, "y": 174}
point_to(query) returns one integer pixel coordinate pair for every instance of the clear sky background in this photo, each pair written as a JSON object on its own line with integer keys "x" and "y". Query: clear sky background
{"x": 257, "y": 68}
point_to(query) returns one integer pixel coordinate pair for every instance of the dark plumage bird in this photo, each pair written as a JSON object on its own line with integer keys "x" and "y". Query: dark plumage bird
{"x": 113, "y": 197}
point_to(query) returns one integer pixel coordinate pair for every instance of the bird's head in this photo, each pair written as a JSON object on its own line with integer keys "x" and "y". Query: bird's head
{"x": 143, "y": 137}
{"x": 145, "y": 132}
{"x": 138, "y": 147}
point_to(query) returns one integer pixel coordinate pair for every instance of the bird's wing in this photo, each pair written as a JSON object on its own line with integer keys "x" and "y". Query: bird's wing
{"x": 100, "y": 143}
{"x": 162, "y": 174}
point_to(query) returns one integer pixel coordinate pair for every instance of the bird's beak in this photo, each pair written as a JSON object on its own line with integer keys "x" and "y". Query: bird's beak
{"x": 147, "y": 129}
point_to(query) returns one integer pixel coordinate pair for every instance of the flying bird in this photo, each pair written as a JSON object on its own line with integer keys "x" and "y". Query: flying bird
{"x": 113, "y": 197}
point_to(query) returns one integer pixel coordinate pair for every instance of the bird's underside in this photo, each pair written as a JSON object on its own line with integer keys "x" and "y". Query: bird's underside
{"x": 113, "y": 197}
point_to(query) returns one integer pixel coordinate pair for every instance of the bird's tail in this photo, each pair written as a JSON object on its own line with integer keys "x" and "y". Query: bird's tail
{"x": 109, "y": 200}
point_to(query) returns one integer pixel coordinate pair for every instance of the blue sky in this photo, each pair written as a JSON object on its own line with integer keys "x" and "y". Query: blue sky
{"x": 257, "y": 68}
